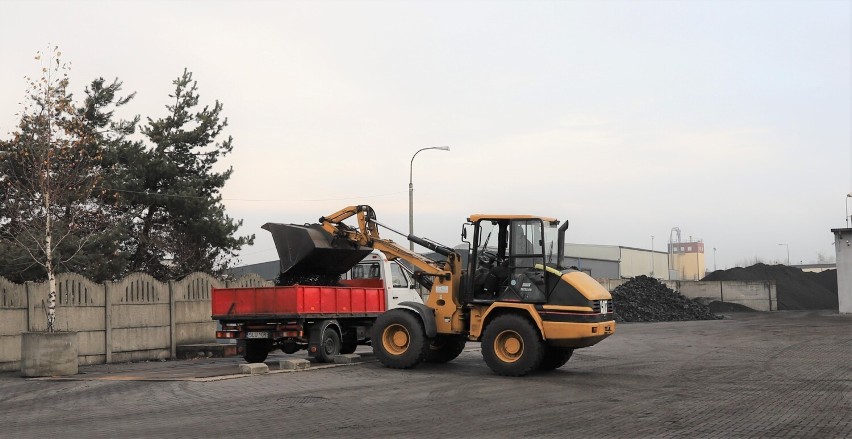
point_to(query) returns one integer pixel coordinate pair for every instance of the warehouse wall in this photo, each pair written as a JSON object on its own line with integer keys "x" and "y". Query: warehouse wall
{"x": 136, "y": 318}
{"x": 637, "y": 262}
{"x": 595, "y": 268}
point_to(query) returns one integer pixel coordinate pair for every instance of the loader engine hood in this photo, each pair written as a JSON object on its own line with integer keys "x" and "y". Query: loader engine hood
{"x": 310, "y": 250}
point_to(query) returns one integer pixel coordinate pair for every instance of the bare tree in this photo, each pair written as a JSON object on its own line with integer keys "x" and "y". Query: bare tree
{"x": 49, "y": 172}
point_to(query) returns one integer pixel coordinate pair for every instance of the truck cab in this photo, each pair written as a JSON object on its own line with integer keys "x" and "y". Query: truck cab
{"x": 391, "y": 275}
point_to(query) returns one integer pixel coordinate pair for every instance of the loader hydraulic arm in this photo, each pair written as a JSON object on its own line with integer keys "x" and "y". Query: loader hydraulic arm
{"x": 367, "y": 234}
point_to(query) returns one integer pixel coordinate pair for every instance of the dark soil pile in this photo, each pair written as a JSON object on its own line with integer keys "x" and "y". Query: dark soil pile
{"x": 645, "y": 299}
{"x": 796, "y": 289}
{"x": 720, "y": 307}
{"x": 286, "y": 280}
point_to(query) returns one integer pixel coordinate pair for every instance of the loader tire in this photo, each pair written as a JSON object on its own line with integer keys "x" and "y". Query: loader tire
{"x": 554, "y": 358}
{"x": 399, "y": 340}
{"x": 257, "y": 350}
{"x": 445, "y": 348}
{"x": 329, "y": 345}
{"x": 512, "y": 346}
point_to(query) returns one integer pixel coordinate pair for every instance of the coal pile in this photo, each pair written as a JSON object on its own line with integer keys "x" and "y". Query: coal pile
{"x": 286, "y": 280}
{"x": 645, "y": 299}
{"x": 796, "y": 289}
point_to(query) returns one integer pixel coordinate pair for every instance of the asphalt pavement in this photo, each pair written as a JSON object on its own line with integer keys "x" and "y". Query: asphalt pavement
{"x": 781, "y": 374}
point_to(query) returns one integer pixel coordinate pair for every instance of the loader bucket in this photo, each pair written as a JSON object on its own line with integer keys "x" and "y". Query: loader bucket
{"x": 311, "y": 251}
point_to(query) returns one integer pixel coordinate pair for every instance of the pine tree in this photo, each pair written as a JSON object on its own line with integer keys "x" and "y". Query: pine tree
{"x": 179, "y": 224}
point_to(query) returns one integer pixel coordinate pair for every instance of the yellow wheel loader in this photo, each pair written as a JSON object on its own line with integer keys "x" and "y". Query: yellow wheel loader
{"x": 514, "y": 296}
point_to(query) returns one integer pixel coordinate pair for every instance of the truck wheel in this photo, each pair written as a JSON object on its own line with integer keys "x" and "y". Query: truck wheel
{"x": 329, "y": 345}
{"x": 445, "y": 348}
{"x": 289, "y": 347}
{"x": 554, "y": 358}
{"x": 512, "y": 346}
{"x": 348, "y": 347}
{"x": 399, "y": 340}
{"x": 257, "y": 350}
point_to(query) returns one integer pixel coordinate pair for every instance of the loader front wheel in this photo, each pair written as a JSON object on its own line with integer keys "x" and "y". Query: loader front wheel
{"x": 445, "y": 348}
{"x": 555, "y": 357}
{"x": 399, "y": 340}
{"x": 512, "y": 346}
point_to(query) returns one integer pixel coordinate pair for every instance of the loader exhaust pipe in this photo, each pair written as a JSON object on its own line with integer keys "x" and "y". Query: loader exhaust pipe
{"x": 560, "y": 252}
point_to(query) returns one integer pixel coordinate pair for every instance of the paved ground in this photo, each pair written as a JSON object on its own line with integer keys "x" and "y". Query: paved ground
{"x": 785, "y": 374}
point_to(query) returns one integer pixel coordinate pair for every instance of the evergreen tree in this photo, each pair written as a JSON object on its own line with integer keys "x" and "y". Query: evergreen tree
{"x": 171, "y": 191}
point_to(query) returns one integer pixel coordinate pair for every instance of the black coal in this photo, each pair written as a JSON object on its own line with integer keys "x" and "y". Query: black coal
{"x": 645, "y": 299}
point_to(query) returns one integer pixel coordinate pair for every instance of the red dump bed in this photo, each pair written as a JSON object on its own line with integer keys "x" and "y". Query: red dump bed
{"x": 231, "y": 303}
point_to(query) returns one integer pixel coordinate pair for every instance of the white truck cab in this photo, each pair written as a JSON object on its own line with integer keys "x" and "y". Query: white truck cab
{"x": 399, "y": 286}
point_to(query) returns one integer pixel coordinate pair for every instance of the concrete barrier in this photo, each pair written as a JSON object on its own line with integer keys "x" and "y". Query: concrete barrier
{"x": 757, "y": 295}
{"x": 45, "y": 354}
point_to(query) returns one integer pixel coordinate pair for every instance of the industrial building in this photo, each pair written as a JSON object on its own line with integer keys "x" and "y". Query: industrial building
{"x": 615, "y": 262}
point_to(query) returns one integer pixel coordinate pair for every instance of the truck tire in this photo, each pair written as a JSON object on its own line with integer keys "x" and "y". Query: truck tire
{"x": 329, "y": 345}
{"x": 445, "y": 348}
{"x": 289, "y": 347}
{"x": 555, "y": 357}
{"x": 399, "y": 340}
{"x": 348, "y": 347}
{"x": 257, "y": 350}
{"x": 512, "y": 346}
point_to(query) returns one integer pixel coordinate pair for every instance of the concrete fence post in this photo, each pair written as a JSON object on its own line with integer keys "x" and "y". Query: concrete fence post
{"x": 172, "y": 320}
{"x": 107, "y": 322}
{"x": 721, "y": 291}
{"x": 31, "y": 304}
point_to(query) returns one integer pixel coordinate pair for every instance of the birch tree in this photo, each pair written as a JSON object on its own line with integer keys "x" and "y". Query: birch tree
{"x": 49, "y": 174}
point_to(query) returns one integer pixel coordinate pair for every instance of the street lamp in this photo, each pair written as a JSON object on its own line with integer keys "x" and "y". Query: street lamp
{"x": 652, "y": 255}
{"x": 411, "y": 191}
{"x": 788, "y": 252}
{"x": 848, "y": 196}
{"x": 714, "y": 258}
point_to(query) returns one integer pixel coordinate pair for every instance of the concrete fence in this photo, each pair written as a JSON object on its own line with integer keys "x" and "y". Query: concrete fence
{"x": 757, "y": 295}
{"x": 136, "y": 318}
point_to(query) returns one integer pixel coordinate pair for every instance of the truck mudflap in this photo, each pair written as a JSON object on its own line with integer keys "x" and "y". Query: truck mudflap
{"x": 316, "y": 333}
{"x": 426, "y": 314}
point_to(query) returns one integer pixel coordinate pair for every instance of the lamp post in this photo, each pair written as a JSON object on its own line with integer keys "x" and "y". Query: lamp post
{"x": 652, "y": 255}
{"x": 848, "y": 196}
{"x": 411, "y": 191}
{"x": 788, "y": 252}
{"x": 714, "y": 258}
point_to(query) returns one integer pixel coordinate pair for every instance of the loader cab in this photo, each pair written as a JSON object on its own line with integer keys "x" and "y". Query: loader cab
{"x": 509, "y": 256}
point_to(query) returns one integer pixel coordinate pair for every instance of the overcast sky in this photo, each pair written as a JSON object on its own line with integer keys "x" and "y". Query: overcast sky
{"x": 727, "y": 119}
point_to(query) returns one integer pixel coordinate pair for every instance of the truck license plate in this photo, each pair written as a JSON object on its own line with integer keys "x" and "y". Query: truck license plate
{"x": 257, "y": 334}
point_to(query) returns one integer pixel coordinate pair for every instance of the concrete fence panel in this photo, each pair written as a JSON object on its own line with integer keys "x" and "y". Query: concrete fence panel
{"x": 192, "y": 309}
{"x": 80, "y": 308}
{"x": 13, "y": 321}
{"x": 136, "y": 318}
{"x": 249, "y": 281}
{"x": 140, "y": 319}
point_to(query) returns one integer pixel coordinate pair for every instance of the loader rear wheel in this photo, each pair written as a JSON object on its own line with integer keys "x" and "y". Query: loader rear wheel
{"x": 329, "y": 345}
{"x": 257, "y": 350}
{"x": 445, "y": 348}
{"x": 554, "y": 358}
{"x": 512, "y": 346}
{"x": 399, "y": 340}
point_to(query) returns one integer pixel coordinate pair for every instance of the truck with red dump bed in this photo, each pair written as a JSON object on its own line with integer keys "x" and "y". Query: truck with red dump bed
{"x": 326, "y": 320}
